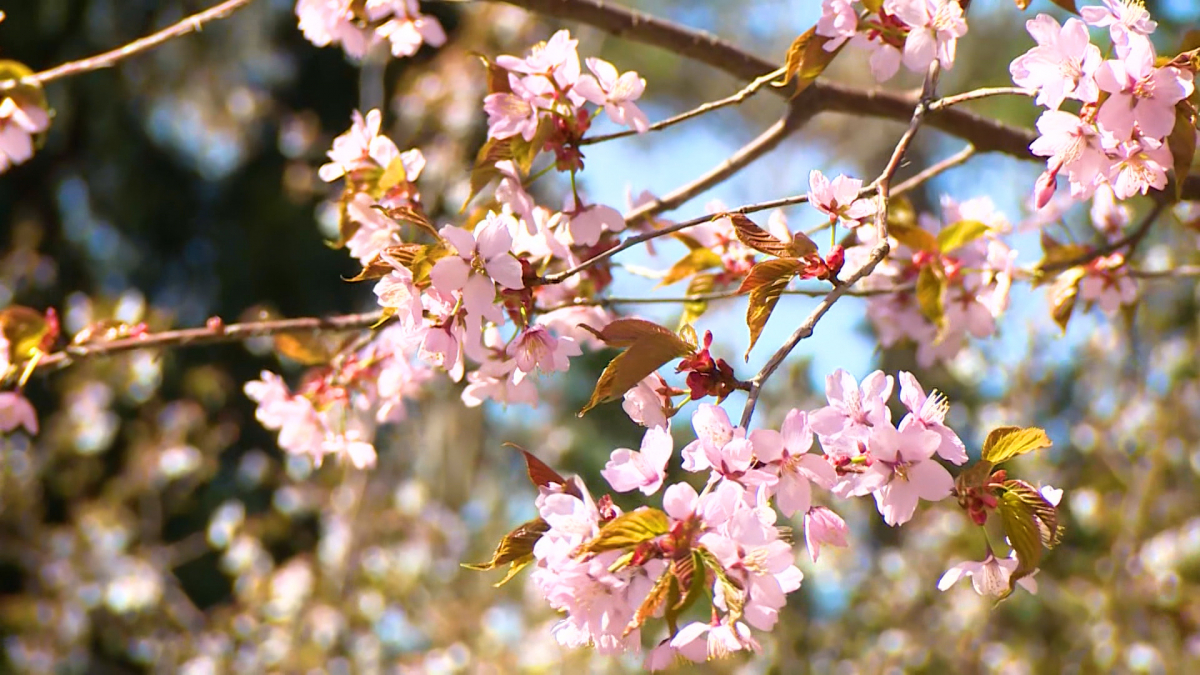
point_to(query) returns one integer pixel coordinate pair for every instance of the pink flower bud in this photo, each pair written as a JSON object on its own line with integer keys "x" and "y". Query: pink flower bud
{"x": 1044, "y": 189}
{"x": 823, "y": 526}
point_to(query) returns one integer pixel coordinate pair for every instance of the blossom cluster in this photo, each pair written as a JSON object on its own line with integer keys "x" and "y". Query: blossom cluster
{"x": 358, "y": 26}
{"x": 1127, "y": 103}
{"x": 608, "y": 584}
{"x": 913, "y": 32}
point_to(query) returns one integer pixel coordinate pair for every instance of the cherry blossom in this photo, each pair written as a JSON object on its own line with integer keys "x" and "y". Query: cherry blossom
{"x": 1072, "y": 145}
{"x": 903, "y": 471}
{"x": 19, "y": 123}
{"x": 838, "y": 21}
{"x": 515, "y": 114}
{"x": 990, "y": 576}
{"x": 409, "y": 29}
{"x": 885, "y": 58}
{"x": 1138, "y": 167}
{"x": 838, "y": 198}
{"x": 853, "y": 411}
{"x": 929, "y": 412}
{"x": 537, "y": 348}
{"x": 1127, "y": 21}
{"x": 700, "y": 642}
{"x": 396, "y": 292}
{"x": 616, "y": 92}
{"x": 713, "y": 430}
{"x": 787, "y": 452}
{"x": 645, "y": 403}
{"x": 640, "y": 470}
{"x": 1062, "y": 65}
{"x": 935, "y": 26}
{"x": 360, "y": 147}
{"x": 17, "y": 412}
{"x": 823, "y": 526}
{"x": 487, "y": 248}
{"x": 1109, "y": 216}
{"x": 1108, "y": 284}
{"x": 1140, "y": 94}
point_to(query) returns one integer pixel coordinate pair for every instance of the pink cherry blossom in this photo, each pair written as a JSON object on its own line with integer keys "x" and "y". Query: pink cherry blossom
{"x": 360, "y": 147}
{"x": 788, "y": 453}
{"x": 823, "y": 526}
{"x": 990, "y": 577}
{"x": 409, "y": 29}
{"x": 929, "y": 412}
{"x": 396, "y": 292}
{"x": 641, "y": 470}
{"x": 935, "y": 26}
{"x": 488, "y": 247}
{"x": 511, "y": 193}
{"x": 885, "y": 58}
{"x": 1138, "y": 167}
{"x": 1109, "y": 216}
{"x": 19, "y": 123}
{"x": 903, "y": 471}
{"x": 515, "y": 114}
{"x": 714, "y": 430}
{"x": 1127, "y": 21}
{"x": 1071, "y": 145}
{"x": 838, "y": 198}
{"x": 556, "y": 60}
{"x": 1108, "y": 284}
{"x": 326, "y": 22}
{"x": 537, "y": 348}
{"x": 616, "y": 92}
{"x": 501, "y": 381}
{"x": 1140, "y": 94}
{"x": 701, "y": 642}
{"x": 17, "y": 412}
{"x": 838, "y": 21}
{"x": 750, "y": 549}
{"x": 1061, "y": 66}
{"x": 645, "y": 404}
{"x": 375, "y": 231}
{"x": 587, "y": 223}
{"x": 853, "y": 411}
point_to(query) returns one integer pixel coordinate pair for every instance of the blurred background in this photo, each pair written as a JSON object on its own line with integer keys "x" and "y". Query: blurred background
{"x": 154, "y": 526}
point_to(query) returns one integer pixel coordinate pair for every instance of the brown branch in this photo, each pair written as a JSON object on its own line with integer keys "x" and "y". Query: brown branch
{"x": 106, "y": 59}
{"x": 213, "y": 334}
{"x": 1131, "y": 240}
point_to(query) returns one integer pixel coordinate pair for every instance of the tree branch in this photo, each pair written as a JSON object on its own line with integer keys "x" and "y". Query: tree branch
{"x": 214, "y": 333}
{"x": 183, "y": 27}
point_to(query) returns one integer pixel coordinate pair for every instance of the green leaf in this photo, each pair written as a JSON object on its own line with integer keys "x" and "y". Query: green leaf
{"x": 873, "y": 6}
{"x": 734, "y": 595}
{"x": 766, "y": 282}
{"x": 931, "y": 289}
{"x": 628, "y": 529}
{"x": 648, "y": 347}
{"x": 1055, "y": 255}
{"x": 694, "y": 309}
{"x": 807, "y": 59}
{"x": 1063, "y": 295}
{"x": 514, "y": 550}
{"x": 1182, "y": 144}
{"x": 696, "y": 260}
{"x": 485, "y": 166}
{"x": 755, "y": 237}
{"x": 1023, "y": 534}
{"x": 1005, "y": 443}
{"x": 960, "y": 234}
{"x": 1044, "y": 513}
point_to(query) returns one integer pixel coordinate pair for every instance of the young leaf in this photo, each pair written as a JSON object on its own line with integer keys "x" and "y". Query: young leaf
{"x": 696, "y": 260}
{"x": 539, "y": 473}
{"x": 654, "y": 599}
{"x": 1068, "y": 5}
{"x": 408, "y": 214}
{"x": 648, "y": 347}
{"x": 807, "y": 59}
{"x": 1023, "y": 535}
{"x": 914, "y": 236}
{"x": 628, "y": 529}
{"x": 1063, "y": 295}
{"x": 1005, "y": 443}
{"x": 755, "y": 237}
{"x": 1056, "y": 254}
{"x": 405, "y": 254}
{"x": 514, "y": 550}
{"x": 1182, "y": 144}
{"x": 693, "y": 310}
{"x": 802, "y": 246}
{"x": 771, "y": 280}
{"x": 24, "y": 328}
{"x": 1044, "y": 513}
{"x": 960, "y": 234}
{"x": 735, "y": 597}
{"x": 485, "y": 166}
{"x": 931, "y": 289}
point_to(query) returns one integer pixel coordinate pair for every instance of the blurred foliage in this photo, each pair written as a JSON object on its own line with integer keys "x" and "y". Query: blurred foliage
{"x": 153, "y": 526}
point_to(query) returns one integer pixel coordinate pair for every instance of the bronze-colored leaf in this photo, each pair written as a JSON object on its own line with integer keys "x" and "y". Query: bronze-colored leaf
{"x": 514, "y": 550}
{"x": 648, "y": 347}
{"x": 931, "y": 291}
{"x": 701, "y": 284}
{"x": 1063, "y": 295}
{"x": 913, "y": 236}
{"x": 24, "y": 328}
{"x": 802, "y": 246}
{"x": 1004, "y": 443}
{"x": 1068, "y": 5}
{"x": 755, "y": 237}
{"x": 696, "y": 260}
{"x": 1023, "y": 535}
{"x": 1055, "y": 255}
{"x": 628, "y": 529}
{"x": 1182, "y": 144}
{"x": 807, "y": 59}
{"x": 767, "y": 272}
{"x": 1045, "y": 514}
{"x": 765, "y": 296}
{"x": 408, "y": 214}
{"x": 378, "y": 267}
{"x": 540, "y": 474}
{"x": 497, "y": 77}
{"x": 960, "y": 234}
{"x": 485, "y": 166}
{"x": 653, "y": 601}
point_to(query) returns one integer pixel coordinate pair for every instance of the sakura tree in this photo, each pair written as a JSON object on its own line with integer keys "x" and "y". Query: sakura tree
{"x": 504, "y": 447}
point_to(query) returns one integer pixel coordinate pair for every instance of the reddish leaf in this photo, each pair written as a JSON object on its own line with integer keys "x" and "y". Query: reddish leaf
{"x": 696, "y": 260}
{"x": 514, "y": 550}
{"x": 648, "y": 347}
{"x": 540, "y": 474}
{"x": 653, "y": 601}
{"x": 755, "y": 237}
{"x": 405, "y": 254}
{"x": 1182, "y": 143}
{"x": 767, "y": 272}
{"x": 807, "y": 59}
{"x": 774, "y": 278}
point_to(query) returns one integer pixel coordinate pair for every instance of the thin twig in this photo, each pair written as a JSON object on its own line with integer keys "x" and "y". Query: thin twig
{"x": 975, "y": 94}
{"x": 742, "y": 95}
{"x": 212, "y": 334}
{"x": 878, "y": 253}
{"x": 183, "y": 27}
{"x": 1131, "y": 240}
{"x": 949, "y": 163}
{"x": 716, "y": 295}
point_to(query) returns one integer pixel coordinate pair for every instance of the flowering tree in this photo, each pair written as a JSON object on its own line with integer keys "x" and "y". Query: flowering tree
{"x": 502, "y": 299}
